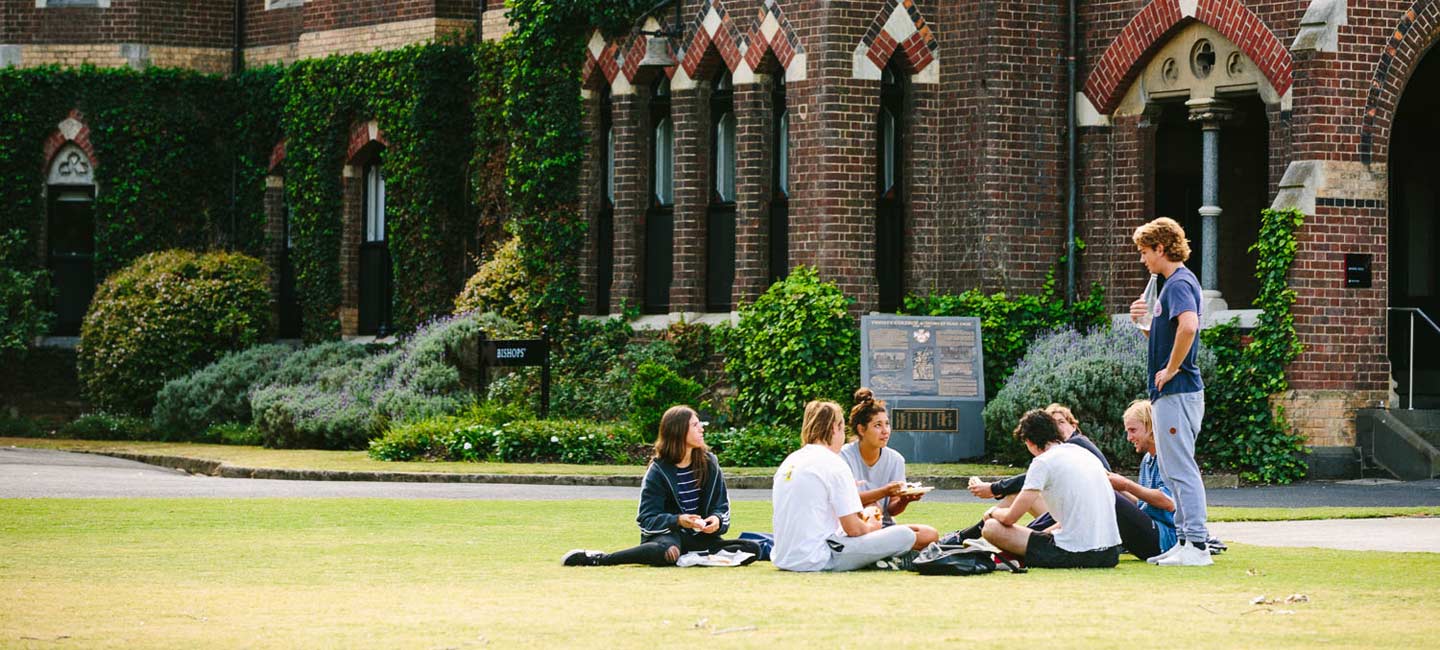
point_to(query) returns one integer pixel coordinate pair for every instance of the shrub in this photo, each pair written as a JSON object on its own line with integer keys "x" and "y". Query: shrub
{"x": 15, "y": 426}
{"x": 500, "y": 285}
{"x": 797, "y": 342}
{"x": 1096, "y": 374}
{"x": 108, "y": 426}
{"x": 568, "y": 441}
{"x": 232, "y": 433}
{"x": 657, "y": 388}
{"x": 754, "y": 446}
{"x": 219, "y": 392}
{"x": 693, "y": 344}
{"x": 346, "y": 406}
{"x": 1009, "y": 324}
{"x": 22, "y": 292}
{"x": 164, "y": 316}
{"x": 434, "y": 439}
{"x": 306, "y": 365}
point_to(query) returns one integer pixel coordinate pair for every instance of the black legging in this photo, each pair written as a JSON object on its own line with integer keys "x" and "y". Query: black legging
{"x": 653, "y": 549}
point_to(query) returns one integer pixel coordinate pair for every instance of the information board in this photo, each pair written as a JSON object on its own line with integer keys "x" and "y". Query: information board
{"x": 930, "y": 370}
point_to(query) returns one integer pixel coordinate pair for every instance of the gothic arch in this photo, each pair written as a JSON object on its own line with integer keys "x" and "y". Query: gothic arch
{"x": 898, "y": 28}
{"x": 1416, "y": 33}
{"x": 71, "y": 129}
{"x": 1128, "y": 54}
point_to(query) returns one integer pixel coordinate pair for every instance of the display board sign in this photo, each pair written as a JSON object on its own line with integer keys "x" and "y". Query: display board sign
{"x": 930, "y": 370}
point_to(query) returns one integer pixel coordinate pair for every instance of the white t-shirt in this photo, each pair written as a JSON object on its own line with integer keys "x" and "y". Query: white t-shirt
{"x": 813, "y": 489}
{"x": 1079, "y": 496}
{"x": 889, "y": 468}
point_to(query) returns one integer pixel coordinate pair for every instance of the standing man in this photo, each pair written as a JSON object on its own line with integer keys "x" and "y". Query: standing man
{"x": 1177, "y": 394}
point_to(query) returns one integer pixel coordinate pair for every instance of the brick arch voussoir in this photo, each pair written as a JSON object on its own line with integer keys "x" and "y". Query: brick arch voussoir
{"x": 365, "y": 138}
{"x": 1132, "y": 49}
{"x": 277, "y": 157}
{"x": 57, "y": 140}
{"x": 706, "y": 50}
{"x": 782, "y": 46}
{"x": 917, "y": 49}
{"x": 1416, "y": 33}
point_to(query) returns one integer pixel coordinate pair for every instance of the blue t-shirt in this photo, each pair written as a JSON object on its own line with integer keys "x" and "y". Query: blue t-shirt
{"x": 1164, "y": 521}
{"x": 1179, "y": 293}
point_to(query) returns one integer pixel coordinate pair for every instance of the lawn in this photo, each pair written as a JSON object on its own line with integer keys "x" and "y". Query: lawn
{"x": 358, "y": 461}
{"x": 470, "y": 574}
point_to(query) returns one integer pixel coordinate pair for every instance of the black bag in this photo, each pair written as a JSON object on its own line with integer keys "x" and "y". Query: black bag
{"x": 958, "y": 560}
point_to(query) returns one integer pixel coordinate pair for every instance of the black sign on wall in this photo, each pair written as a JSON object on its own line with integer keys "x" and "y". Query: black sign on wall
{"x": 522, "y": 352}
{"x": 1357, "y": 270}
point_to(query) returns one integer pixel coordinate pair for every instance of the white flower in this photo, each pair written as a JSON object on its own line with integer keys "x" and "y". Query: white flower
{"x": 554, "y": 438}
{"x": 468, "y": 446}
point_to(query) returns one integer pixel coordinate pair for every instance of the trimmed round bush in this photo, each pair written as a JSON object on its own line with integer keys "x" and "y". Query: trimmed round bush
{"x": 217, "y": 393}
{"x": 164, "y": 316}
{"x": 796, "y": 343}
{"x": 500, "y": 285}
{"x": 656, "y": 389}
{"x": 1096, "y": 374}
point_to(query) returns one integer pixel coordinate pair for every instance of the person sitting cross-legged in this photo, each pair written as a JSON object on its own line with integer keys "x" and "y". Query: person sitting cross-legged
{"x": 1076, "y": 489}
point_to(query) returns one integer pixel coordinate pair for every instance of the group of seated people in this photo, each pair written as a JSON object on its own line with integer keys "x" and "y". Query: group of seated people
{"x": 836, "y": 503}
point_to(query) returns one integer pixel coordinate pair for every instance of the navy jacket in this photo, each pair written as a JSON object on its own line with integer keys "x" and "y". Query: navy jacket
{"x": 660, "y": 508}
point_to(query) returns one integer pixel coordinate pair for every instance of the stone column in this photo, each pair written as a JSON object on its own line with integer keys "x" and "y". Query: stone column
{"x": 1210, "y": 112}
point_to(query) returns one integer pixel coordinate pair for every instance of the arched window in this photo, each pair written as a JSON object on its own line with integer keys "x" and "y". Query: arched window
{"x": 70, "y": 235}
{"x": 890, "y": 185}
{"x": 605, "y": 220}
{"x": 780, "y": 185}
{"x": 376, "y": 281}
{"x": 660, "y": 218}
{"x": 720, "y": 222}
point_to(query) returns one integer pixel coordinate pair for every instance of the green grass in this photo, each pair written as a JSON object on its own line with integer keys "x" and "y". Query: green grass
{"x": 469, "y": 574}
{"x": 260, "y": 457}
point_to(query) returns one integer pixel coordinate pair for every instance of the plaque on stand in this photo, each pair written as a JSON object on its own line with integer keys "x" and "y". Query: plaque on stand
{"x": 930, "y": 370}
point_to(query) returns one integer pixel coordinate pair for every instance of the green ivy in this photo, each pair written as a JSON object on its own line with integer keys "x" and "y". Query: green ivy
{"x": 1242, "y": 430}
{"x": 543, "y": 111}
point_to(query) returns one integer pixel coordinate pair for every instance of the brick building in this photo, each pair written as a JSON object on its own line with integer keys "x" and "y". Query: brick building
{"x": 923, "y": 145}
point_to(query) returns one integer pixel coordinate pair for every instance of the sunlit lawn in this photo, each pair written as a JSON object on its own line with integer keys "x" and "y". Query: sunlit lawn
{"x": 202, "y": 573}
{"x": 259, "y": 457}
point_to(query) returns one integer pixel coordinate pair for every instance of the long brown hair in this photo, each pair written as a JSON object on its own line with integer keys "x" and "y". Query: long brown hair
{"x": 670, "y": 443}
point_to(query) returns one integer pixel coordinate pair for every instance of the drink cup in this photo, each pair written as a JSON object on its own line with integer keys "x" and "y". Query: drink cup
{"x": 1148, "y": 297}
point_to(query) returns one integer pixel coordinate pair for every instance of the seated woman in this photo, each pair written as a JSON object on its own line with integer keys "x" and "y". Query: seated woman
{"x": 1150, "y": 536}
{"x": 818, "y": 516}
{"x": 878, "y": 469}
{"x": 683, "y": 503}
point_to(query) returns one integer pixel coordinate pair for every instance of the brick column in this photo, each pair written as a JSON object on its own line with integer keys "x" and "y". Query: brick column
{"x": 690, "y": 110}
{"x": 631, "y": 118}
{"x": 754, "y": 164}
{"x": 592, "y": 188}
{"x": 352, "y": 224}
{"x": 274, "y": 235}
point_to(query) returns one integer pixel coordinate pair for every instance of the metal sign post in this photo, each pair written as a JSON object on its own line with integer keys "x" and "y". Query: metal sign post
{"x": 516, "y": 353}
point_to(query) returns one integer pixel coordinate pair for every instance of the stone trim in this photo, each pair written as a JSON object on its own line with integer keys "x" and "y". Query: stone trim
{"x": 1128, "y": 54}
{"x": 211, "y": 60}
{"x": 898, "y": 27}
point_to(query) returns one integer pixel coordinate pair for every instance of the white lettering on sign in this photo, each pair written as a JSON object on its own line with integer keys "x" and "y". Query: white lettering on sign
{"x": 510, "y": 353}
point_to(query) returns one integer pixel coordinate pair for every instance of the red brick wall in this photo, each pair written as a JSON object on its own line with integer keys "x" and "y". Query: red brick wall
{"x": 192, "y": 23}
{"x": 273, "y": 27}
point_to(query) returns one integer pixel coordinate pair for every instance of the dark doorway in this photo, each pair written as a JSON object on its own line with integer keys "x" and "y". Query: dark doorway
{"x": 1244, "y": 188}
{"x": 71, "y": 253}
{"x": 1415, "y": 234}
{"x": 376, "y": 280}
{"x": 780, "y": 186}
{"x": 890, "y": 126}
{"x": 605, "y": 220}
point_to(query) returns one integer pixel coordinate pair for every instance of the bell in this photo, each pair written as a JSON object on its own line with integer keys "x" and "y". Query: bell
{"x": 657, "y": 53}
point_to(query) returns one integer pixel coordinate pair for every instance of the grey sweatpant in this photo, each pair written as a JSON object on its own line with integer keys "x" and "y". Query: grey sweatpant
{"x": 1177, "y": 424}
{"x": 857, "y": 552}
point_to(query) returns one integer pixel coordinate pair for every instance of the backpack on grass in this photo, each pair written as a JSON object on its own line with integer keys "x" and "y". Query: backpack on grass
{"x": 974, "y": 557}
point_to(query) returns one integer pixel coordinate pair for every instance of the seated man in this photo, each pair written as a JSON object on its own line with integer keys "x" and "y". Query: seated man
{"x": 1076, "y": 489}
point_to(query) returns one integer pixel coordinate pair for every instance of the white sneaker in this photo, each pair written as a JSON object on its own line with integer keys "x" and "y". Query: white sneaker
{"x": 1155, "y": 559}
{"x": 1190, "y": 556}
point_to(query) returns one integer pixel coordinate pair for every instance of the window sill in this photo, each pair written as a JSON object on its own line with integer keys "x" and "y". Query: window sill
{"x": 656, "y": 322}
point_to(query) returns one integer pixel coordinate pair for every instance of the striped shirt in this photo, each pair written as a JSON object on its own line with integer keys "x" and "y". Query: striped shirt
{"x": 687, "y": 491}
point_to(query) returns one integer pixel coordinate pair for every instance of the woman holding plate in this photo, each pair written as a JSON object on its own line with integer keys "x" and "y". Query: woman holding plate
{"x": 879, "y": 470}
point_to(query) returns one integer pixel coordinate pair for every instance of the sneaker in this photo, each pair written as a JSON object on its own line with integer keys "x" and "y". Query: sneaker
{"x": 580, "y": 557}
{"x": 1189, "y": 556}
{"x": 1155, "y": 559}
{"x": 1216, "y": 546}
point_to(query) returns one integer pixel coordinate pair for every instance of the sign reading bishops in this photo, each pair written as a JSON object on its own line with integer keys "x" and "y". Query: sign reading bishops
{"x": 930, "y": 372}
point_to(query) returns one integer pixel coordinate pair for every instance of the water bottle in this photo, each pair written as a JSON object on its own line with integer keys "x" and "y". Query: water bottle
{"x": 1149, "y": 297}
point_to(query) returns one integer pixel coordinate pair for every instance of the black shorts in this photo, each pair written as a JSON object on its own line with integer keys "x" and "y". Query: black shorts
{"x": 1043, "y": 553}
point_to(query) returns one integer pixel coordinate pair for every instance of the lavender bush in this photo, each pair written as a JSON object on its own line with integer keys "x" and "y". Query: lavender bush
{"x": 1095, "y": 373}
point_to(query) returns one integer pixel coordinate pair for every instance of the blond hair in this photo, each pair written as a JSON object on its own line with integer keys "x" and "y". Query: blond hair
{"x": 1164, "y": 232}
{"x": 1055, "y": 408}
{"x": 820, "y": 420}
{"x": 1139, "y": 410}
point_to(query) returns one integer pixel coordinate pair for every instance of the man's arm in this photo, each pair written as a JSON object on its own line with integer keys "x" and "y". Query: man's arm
{"x": 1148, "y": 495}
{"x": 854, "y": 526}
{"x": 1187, "y": 325}
{"x": 1010, "y": 515}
